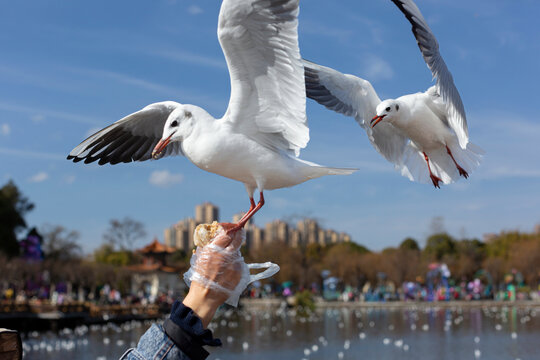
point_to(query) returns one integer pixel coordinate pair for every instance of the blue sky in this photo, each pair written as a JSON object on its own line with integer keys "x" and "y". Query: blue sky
{"x": 68, "y": 68}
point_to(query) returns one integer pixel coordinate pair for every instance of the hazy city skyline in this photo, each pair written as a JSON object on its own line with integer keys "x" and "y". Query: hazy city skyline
{"x": 307, "y": 231}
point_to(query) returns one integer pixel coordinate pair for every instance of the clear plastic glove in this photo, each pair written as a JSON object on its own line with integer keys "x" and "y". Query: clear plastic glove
{"x": 220, "y": 267}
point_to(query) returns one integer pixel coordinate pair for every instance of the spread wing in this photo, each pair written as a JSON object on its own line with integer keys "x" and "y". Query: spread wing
{"x": 260, "y": 42}
{"x": 429, "y": 47}
{"x": 129, "y": 139}
{"x": 353, "y": 96}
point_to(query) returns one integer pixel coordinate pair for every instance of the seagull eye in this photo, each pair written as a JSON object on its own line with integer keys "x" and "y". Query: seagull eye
{"x": 174, "y": 123}
{"x": 397, "y": 107}
{"x": 388, "y": 109}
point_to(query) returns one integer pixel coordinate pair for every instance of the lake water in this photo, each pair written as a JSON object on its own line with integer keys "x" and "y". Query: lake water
{"x": 409, "y": 333}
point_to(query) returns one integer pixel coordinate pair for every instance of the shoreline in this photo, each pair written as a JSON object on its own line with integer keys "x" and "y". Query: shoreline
{"x": 411, "y": 305}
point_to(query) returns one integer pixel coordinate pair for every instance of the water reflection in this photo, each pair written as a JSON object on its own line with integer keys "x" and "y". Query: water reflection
{"x": 343, "y": 333}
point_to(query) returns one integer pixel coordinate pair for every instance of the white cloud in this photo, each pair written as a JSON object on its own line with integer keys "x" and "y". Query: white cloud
{"x": 509, "y": 171}
{"x": 5, "y": 129}
{"x": 191, "y": 58}
{"x": 127, "y": 79}
{"x": 320, "y": 30}
{"x": 70, "y": 179}
{"x": 376, "y": 68}
{"x": 176, "y": 92}
{"x": 195, "y": 10}
{"x": 37, "y": 118}
{"x": 42, "y": 113}
{"x": 32, "y": 154}
{"x": 511, "y": 145}
{"x": 39, "y": 177}
{"x": 164, "y": 178}
{"x": 367, "y": 25}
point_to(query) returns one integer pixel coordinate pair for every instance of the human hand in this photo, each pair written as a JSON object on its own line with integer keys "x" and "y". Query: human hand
{"x": 217, "y": 271}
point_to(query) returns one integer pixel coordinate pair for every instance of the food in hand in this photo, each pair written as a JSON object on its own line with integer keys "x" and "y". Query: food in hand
{"x": 205, "y": 233}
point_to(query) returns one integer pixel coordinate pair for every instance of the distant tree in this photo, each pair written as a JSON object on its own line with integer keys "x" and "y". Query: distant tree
{"x": 13, "y": 208}
{"x": 525, "y": 257}
{"x": 409, "y": 244}
{"x": 439, "y": 245}
{"x": 313, "y": 253}
{"x": 470, "y": 255}
{"x": 501, "y": 244}
{"x": 124, "y": 233}
{"x": 496, "y": 267}
{"x": 60, "y": 243}
{"x": 355, "y": 247}
{"x": 106, "y": 254}
{"x": 344, "y": 261}
{"x": 179, "y": 257}
{"x": 370, "y": 265}
{"x": 400, "y": 264}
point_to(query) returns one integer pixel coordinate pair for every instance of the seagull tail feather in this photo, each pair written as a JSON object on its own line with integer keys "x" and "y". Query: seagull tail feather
{"x": 313, "y": 171}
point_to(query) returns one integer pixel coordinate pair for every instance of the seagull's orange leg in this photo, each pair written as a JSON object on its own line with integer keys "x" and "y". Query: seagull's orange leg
{"x": 462, "y": 171}
{"x": 250, "y": 209}
{"x": 434, "y": 178}
{"x": 248, "y": 215}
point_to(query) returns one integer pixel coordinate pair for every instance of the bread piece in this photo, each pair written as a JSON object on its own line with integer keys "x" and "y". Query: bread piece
{"x": 205, "y": 233}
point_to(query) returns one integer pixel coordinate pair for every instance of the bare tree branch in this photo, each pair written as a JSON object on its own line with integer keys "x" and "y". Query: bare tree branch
{"x": 124, "y": 233}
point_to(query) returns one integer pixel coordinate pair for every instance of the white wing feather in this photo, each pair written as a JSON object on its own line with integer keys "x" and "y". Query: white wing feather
{"x": 260, "y": 42}
{"x": 429, "y": 47}
{"x": 129, "y": 139}
{"x": 353, "y": 96}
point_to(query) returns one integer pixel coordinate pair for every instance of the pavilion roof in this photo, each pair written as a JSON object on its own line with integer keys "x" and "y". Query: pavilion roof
{"x": 156, "y": 247}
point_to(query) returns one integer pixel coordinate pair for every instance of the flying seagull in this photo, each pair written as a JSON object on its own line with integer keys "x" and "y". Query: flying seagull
{"x": 422, "y": 134}
{"x": 258, "y": 139}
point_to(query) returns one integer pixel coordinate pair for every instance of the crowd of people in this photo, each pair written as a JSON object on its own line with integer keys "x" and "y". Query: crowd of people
{"x": 435, "y": 287}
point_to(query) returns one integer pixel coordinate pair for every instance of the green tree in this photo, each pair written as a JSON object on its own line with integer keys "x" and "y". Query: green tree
{"x": 13, "y": 208}
{"x": 354, "y": 247}
{"x": 470, "y": 255}
{"x": 439, "y": 245}
{"x": 501, "y": 244}
{"x": 106, "y": 254}
{"x": 409, "y": 244}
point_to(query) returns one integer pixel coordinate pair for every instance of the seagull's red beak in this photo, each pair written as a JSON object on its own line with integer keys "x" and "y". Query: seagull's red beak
{"x": 160, "y": 146}
{"x": 376, "y": 120}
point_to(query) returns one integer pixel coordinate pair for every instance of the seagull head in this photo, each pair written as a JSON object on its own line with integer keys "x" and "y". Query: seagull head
{"x": 388, "y": 110}
{"x": 178, "y": 126}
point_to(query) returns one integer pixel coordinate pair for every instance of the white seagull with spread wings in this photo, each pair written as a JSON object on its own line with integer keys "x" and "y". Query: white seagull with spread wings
{"x": 259, "y": 138}
{"x": 413, "y": 130}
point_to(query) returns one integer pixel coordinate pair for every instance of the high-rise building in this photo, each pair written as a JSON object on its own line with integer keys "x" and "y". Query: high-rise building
{"x": 308, "y": 231}
{"x": 257, "y": 238}
{"x": 169, "y": 235}
{"x": 295, "y": 238}
{"x": 344, "y": 237}
{"x": 206, "y": 213}
{"x": 333, "y": 237}
{"x": 322, "y": 238}
{"x": 276, "y": 230}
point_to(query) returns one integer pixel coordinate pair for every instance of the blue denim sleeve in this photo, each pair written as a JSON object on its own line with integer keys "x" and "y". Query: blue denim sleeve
{"x": 155, "y": 345}
{"x": 181, "y": 337}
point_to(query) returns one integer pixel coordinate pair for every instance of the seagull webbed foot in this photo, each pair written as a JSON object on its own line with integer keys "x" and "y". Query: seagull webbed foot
{"x": 436, "y": 180}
